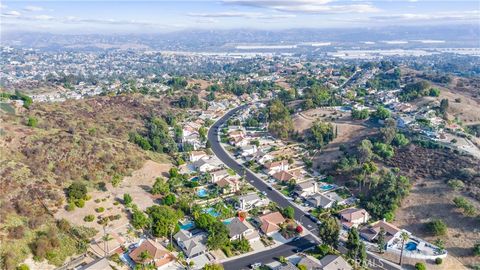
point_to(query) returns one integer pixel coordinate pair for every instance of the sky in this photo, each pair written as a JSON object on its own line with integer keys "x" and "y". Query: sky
{"x": 123, "y": 16}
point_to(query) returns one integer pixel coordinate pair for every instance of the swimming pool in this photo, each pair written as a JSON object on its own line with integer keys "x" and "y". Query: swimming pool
{"x": 187, "y": 226}
{"x": 202, "y": 193}
{"x": 227, "y": 221}
{"x": 327, "y": 187}
{"x": 411, "y": 246}
{"x": 212, "y": 212}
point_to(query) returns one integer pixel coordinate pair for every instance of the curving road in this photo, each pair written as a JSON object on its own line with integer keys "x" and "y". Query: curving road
{"x": 288, "y": 249}
{"x": 258, "y": 183}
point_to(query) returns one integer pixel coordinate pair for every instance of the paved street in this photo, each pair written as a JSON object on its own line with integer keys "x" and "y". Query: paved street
{"x": 287, "y": 249}
{"x": 270, "y": 255}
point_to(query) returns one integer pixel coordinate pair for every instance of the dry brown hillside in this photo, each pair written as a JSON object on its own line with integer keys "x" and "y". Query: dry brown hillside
{"x": 77, "y": 140}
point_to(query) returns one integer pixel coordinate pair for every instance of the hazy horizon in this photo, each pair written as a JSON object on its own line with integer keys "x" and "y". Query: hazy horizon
{"x": 101, "y": 17}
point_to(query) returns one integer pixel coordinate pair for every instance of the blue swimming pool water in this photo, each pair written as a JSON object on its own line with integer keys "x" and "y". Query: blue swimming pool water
{"x": 227, "y": 221}
{"x": 327, "y": 187}
{"x": 187, "y": 226}
{"x": 411, "y": 246}
{"x": 202, "y": 193}
{"x": 212, "y": 212}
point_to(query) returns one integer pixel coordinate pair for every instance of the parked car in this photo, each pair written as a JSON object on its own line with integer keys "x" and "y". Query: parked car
{"x": 255, "y": 265}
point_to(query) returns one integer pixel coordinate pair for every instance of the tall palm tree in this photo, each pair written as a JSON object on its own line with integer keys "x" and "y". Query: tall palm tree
{"x": 404, "y": 236}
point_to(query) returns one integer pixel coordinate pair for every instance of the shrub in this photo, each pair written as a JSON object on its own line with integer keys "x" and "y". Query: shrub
{"x": 100, "y": 210}
{"x": 437, "y": 227}
{"x": 456, "y": 184}
{"x": 32, "y": 121}
{"x": 400, "y": 140}
{"x": 22, "y": 267}
{"x": 16, "y": 232}
{"x": 169, "y": 199}
{"x": 70, "y": 207}
{"x": 468, "y": 208}
{"x": 80, "y": 203}
{"x": 89, "y": 218}
{"x": 116, "y": 179}
{"x": 384, "y": 150}
{"x": 476, "y": 249}
{"x": 420, "y": 266}
{"x": 127, "y": 199}
{"x": 438, "y": 261}
{"x": 77, "y": 191}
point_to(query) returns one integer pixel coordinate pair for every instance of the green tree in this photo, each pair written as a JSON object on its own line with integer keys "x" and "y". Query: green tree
{"x": 202, "y": 132}
{"x": 404, "y": 236}
{"x": 145, "y": 257}
{"x": 289, "y": 212}
{"x": 329, "y": 231}
{"x": 164, "y": 219}
{"x": 170, "y": 199}
{"x": 320, "y": 134}
{"x": 173, "y": 172}
{"x": 434, "y": 92}
{"x": 388, "y": 131}
{"x": 77, "y": 191}
{"x": 381, "y": 241}
{"x": 384, "y": 198}
{"x": 360, "y": 114}
{"x": 362, "y": 254}
{"x": 160, "y": 186}
{"x": 241, "y": 245}
{"x": 400, "y": 140}
{"x": 280, "y": 121}
{"x": 443, "y": 106}
{"x": 364, "y": 150}
{"x": 218, "y": 236}
{"x": 382, "y": 113}
{"x": 353, "y": 243}
{"x": 139, "y": 219}
{"x": 384, "y": 150}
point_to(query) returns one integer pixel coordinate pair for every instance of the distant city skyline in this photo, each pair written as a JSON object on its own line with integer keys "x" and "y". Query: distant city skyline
{"x": 109, "y": 16}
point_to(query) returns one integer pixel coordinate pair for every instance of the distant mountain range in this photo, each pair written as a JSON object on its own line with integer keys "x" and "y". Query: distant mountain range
{"x": 229, "y": 40}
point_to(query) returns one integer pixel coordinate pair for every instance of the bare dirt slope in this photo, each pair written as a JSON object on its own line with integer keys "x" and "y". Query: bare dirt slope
{"x": 431, "y": 198}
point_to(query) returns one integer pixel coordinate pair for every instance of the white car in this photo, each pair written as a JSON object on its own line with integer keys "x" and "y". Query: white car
{"x": 255, "y": 265}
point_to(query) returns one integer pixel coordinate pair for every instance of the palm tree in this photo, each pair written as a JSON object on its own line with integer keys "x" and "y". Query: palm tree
{"x": 144, "y": 256}
{"x": 404, "y": 236}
